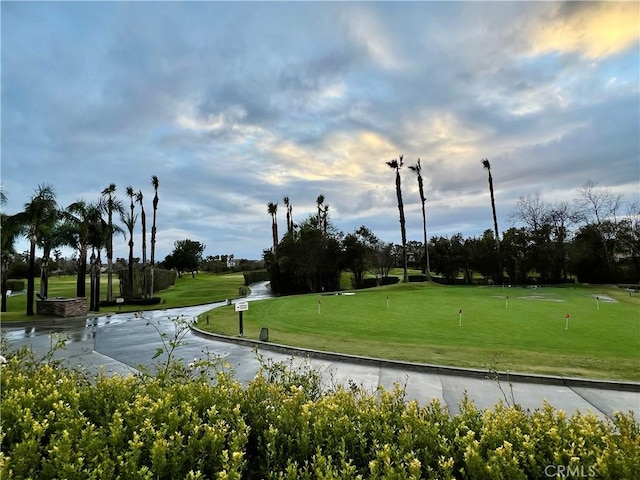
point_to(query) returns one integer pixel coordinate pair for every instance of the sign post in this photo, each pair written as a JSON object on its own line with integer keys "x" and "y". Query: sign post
{"x": 460, "y": 318}
{"x": 241, "y": 306}
{"x": 566, "y": 323}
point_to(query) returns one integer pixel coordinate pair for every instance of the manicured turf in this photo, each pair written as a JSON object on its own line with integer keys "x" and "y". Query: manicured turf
{"x": 422, "y": 323}
{"x": 188, "y": 290}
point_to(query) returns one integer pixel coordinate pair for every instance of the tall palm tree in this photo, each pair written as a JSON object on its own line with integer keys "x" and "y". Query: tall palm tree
{"x": 40, "y": 212}
{"x": 130, "y": 222}
{"x": 417, "y": 169}
{"x": 272, "y": 209}
{"x": 155, "y": 183}
{"x": 82, "y": 219}
{"x": 110, "y": 205}
{"x": 397, "y": 165}
{"x": 143, "y": 220}
{"x": 487, "y": 166}
{"x": 287, "y": 204}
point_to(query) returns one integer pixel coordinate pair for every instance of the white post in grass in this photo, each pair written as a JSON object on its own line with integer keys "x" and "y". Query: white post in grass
{"x": 319, "y": 306}
{"x": 460, "y": 318}
{"x": 566, "y": 323}
{"x": 598, "y": 303}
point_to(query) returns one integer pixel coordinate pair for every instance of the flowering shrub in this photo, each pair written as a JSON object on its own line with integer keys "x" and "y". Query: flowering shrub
{"x": 58, "y": 423}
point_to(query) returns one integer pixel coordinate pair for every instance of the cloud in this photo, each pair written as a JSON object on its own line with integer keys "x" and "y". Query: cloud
{"x": 593, "y": 29}
{"x": 234, "y": 105}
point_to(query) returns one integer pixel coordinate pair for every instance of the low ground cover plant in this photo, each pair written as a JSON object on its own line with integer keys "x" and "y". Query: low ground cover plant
{"x": 196, "y": 421}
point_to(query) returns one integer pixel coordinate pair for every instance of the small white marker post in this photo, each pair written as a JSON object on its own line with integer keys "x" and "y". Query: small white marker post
{"x": 460, "y": 318}
{"x": 566, "y": 323}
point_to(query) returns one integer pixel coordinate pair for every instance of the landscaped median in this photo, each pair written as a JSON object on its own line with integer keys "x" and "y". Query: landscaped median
{"x": 193, "y": 423}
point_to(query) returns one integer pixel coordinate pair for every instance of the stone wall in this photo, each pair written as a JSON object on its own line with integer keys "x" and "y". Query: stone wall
{"x": 62, "y": 307}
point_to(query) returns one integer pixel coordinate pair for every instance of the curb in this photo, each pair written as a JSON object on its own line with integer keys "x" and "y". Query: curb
{"x": 571, "y": 382}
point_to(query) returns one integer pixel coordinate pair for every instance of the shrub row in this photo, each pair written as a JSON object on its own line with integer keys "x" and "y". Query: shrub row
{"x": 255, "y": 276}
{"x": 15, "y": 285}
{"x": 57, "y": 423}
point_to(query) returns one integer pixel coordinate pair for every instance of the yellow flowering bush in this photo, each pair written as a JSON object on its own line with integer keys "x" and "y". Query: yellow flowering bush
{"x": 59, "y": 423}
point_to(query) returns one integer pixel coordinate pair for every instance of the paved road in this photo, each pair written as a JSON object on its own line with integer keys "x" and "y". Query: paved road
{"x": 119, "y": 344}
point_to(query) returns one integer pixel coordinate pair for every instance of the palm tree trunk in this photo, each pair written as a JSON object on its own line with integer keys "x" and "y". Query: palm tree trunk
{"x": 495, "y": 226}
{"x": 31, "y": 283}
{"x": 81, "y": 288}
{"x": 403, "y": 230}
{"x": 131, "y": 289}
{"x": 110, "y": 259}
{"x": 427, "y": 271}
{"x": 154, "y": 182}
{"x": 44, "y": 272}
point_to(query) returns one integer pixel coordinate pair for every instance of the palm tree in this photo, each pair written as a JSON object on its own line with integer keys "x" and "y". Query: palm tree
{"x": 53, "y": 237}
{"x": 99, "y": 236}
{"x": 287, "y": 204}
{"x": 487, "y": 165}
{"x": 272, "y": 209}
{"x": 325, "y": 215}
{"x": 82, "y": 219}
{"x": 110, "y": 205}
{"x": 40, "y": 212}
{"x": 319, "y": 202}
{"x": 130, "y": 223}
{"x": 143, "y": 219}
{"x": 9, "y": 232}
{"x": 417, "y": 169}
{"x": 154, "y": 182}
{"x": 397, "y": 165}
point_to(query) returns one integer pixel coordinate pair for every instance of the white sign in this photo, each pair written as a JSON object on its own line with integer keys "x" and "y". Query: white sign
{"x": 242, "y": 306}
{"x": 120, "y": 300}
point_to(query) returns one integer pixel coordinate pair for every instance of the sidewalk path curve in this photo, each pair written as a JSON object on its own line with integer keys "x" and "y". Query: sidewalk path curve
{"x": 119, "y": 344}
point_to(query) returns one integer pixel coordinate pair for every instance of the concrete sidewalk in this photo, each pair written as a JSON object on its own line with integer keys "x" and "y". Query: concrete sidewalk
{"x": 119, "y": 344}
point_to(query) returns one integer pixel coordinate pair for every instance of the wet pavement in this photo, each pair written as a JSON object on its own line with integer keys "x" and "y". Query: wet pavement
{"x": 122, "y": 343}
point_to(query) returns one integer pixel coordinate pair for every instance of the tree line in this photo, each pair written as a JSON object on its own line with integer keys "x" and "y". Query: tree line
{"x": 590, "y": 239}
{"x": 82, "y": 225}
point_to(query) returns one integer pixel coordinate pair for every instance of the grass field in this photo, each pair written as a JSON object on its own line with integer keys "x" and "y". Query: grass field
{"x": 204, "y": 288}
{"x": 422, "y": 323}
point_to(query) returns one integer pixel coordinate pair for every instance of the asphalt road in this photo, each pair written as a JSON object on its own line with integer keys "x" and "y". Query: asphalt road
{"x": 121, "y": 343}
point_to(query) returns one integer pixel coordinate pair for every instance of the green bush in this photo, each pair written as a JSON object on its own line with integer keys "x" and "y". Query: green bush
{"x": 255, "y": 276}
{"x": 188, "y": 423}
{"x": 15, "y": 285}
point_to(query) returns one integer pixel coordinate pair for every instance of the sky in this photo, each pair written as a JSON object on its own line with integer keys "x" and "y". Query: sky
{"x": 235, "y": 105}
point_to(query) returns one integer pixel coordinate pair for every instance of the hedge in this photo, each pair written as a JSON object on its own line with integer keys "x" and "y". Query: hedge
{"x": 255, "y": 276}
{"x": 15, "y": 285}
{"x": 192, "y": 422}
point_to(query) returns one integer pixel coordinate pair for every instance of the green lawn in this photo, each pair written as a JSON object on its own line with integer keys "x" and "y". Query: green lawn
{"x": 422, "y": 324}
{"x": 204, "y": 288}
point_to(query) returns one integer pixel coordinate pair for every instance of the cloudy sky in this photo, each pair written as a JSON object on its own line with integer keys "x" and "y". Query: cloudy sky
{"x": 234, "y": 105}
